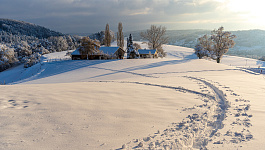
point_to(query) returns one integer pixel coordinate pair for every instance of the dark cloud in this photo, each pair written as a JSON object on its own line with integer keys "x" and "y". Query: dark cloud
{"x": 70, "y": 16}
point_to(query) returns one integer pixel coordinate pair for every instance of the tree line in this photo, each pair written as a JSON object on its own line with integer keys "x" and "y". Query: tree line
{"x": 27, "y": 50}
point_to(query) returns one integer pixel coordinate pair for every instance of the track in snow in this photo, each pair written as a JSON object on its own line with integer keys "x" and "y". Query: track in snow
{"x": 200, "y": 129}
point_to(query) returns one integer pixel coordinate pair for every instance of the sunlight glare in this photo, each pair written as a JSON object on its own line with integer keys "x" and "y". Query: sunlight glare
{"x": 252, "y": 11}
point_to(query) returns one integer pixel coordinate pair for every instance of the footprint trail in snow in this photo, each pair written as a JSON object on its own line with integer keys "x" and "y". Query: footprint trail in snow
{"x": 204, "y": 129}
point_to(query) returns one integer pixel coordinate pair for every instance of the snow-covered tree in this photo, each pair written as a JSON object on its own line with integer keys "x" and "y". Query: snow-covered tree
{"x": 41, "y": 50}
{"x": 100, "y": 36}
{"x": 222, "y": 41}
{"x": 204, "y": 47}
{"x": 62, "y": 44}
{"x": 89, "y": 46}
{"x": 59, "y": 43}
{"x": 216, "y": 45}
{"x": 131, "y": 50}
{"x": 70, "y": 42}
{"x": 28, "y": 39}
{"x": 7, "y": 57}
{"x": 130, "y": 43}
{"x": 120, "y": 37}
{"x": 32, "y": 60}
{"x": 23, "y": 50}
{"x": 156, "y": 37}
{"x": 201, "y": 51}
{"x": 107, "y": 39}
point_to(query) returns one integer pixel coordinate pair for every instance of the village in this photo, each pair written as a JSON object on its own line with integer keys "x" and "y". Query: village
{"x": 114, "y": 52}
{"x": 101, "y": 48}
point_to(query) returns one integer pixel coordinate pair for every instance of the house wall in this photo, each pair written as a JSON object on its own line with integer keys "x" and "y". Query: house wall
{"x": 146, "y": 56}
{"x": 76, "y": 57}
{"x": 119, "y": 54}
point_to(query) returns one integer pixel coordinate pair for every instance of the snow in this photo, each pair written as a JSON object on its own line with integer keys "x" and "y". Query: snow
{"x": 76, "y": 52}
{"x": 108, "y": 50}
{"x": 174, "y": 102}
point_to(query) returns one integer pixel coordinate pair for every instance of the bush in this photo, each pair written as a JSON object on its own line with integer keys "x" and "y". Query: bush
{"x": 32, "y": 60}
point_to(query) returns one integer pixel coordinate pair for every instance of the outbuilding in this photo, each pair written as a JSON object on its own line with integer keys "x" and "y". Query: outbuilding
{"x": 147, "y": 53}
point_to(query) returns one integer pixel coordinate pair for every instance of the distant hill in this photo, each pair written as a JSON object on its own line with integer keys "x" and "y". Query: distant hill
{"x": 249, "y": 43}
{"x": 23, "y": 28}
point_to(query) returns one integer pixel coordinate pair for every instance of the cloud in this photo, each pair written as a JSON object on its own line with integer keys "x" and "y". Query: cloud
{"x": 92, "y": 15}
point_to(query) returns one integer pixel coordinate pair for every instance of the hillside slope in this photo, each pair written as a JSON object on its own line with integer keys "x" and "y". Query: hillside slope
{"x": 179, "y": 102}
{"x": 16, "y": 27}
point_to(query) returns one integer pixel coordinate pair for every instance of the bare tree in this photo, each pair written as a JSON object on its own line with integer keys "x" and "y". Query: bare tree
{"x": 156, "y": 37}
{"x": 89, "y": 46}
{"x": 107, "y": 39}
{"x": 136, "y": 46}
{"x": 222, "y": 41}
{"x": 120, "y": 37}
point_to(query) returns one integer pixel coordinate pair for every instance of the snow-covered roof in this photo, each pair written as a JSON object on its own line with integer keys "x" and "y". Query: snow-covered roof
{"x": 108, "y": 50}
{"x": 105, "y": 50}
{"x": 76, "y": 52}
{"x": 146, "y": 51}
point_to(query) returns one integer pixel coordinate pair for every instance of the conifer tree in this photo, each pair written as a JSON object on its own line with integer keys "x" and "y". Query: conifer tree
{"x": 130, "y": 43}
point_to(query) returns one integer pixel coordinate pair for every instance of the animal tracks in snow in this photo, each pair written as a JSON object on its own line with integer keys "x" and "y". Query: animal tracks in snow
{"x": 16, "y": 104}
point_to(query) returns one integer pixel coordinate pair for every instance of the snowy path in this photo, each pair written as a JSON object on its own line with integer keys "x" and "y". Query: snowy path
{"x": 197, "y": 130}
{"x": 193, "y": 132}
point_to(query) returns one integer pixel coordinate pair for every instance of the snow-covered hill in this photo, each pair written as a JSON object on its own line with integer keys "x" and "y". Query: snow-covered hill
{"x": 60, "y": 64}
{"x": 16, "y": 27}
{"x": 170, "y": 103}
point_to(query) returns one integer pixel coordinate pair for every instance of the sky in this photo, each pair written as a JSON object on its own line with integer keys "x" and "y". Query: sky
{"x": 90, "y": 16}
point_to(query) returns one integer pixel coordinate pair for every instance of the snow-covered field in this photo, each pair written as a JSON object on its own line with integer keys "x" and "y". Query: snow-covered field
{"x": 178, "y": 102}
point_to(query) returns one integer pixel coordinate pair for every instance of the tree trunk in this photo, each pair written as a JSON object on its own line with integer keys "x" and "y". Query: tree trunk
{"x": 218, "y": 60}
{"x": 199, "y": 56}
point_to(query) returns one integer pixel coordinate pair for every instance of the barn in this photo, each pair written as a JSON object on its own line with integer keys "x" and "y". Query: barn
{"x": 104, "y": 53}
{"x": 147, "y": 53}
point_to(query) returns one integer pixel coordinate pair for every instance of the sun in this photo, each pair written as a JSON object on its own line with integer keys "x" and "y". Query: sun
{"x": 251, "y": 10}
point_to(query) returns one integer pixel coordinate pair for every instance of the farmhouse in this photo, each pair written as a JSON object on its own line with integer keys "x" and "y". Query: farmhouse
{"x": 117, "y": 52}
{"x": 147, "y": 53}
{"x": 104, "y": 53}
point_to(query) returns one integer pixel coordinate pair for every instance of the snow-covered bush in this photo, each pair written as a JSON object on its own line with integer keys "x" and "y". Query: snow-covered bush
{"x": 7, "y": 57}
{"x": 32, "y": 60}
{"x": 201, "y": 52}
{"x": 41, "y": 50}
{"x": 161, "y": 53}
